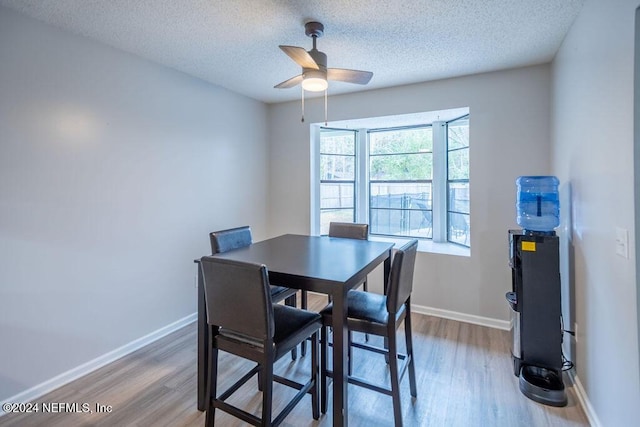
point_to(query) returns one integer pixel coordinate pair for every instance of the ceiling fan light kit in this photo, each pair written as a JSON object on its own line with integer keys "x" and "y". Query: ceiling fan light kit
{"x": 315, "y": 74}
{"x": 314, "y": 81}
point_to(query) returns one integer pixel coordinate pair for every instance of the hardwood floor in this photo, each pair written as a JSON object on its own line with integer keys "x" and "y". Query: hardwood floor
{"x": 463, "y": 373}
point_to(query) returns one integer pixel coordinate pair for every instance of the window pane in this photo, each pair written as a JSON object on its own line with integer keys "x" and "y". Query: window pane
{"x": 400, "y": 195}
{"x": 337, "y": 142}
{"x": 402, "y": 209}
{"x": 418, "y": 140}
{"x": 458, "y": 182}
{"x": 458, "y": 133}
{"x": 459, "y": 229}
{"x": 337, "y": 215}
{"x": 459, "y": 197}
{"x": 334, "y": 195}
{"x": 400, "y": 167}
{"x": 337, "y": 167}
{"x": 458, "y": 162}
{"x": 401, "y": 222}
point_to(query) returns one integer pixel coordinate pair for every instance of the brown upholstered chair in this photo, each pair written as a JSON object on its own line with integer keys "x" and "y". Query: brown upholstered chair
{"x": 350, "y": 230}
{"x": 380, "y": 315}
{"x": 240, "y": 237}
{"x": 263, "y": 333}
{"x": 234, "y": 238}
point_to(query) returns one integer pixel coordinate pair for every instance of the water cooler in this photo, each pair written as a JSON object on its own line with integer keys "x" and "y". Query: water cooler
{"x": 534, "y": 300}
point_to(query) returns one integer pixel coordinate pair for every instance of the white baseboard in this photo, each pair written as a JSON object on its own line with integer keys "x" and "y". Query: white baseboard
{"x": 461, "y": 317}
{"x": 86, "y": 368}
{"x": 584, "y": 401}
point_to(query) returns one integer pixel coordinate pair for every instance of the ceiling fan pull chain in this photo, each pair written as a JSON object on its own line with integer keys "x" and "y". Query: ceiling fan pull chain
{"x": 325, "y": 107}
{"x": 302, "y": 104}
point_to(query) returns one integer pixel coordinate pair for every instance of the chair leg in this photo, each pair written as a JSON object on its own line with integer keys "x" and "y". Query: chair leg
{"x": 364, "y": 288}
{"x": 303, "y": 305}
{"x": 324, "y": 344}
{"x": 395, "y": 379}
{"x": 350, "y": 353}
{"x": 211, "y": 389}
{"x": 409, "y": 343}
{"x": 386, "y": 347}
{"x": 267, "y": 391}
{"x": 315, "y": 391}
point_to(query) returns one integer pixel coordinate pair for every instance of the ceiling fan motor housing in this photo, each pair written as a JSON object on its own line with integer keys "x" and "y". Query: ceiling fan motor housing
{"x": 320, "y": 58}
{"x": 314, "y": 29}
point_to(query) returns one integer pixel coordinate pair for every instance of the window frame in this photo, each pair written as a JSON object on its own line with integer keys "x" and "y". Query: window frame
{"x": 439, "y": 182}
{"x": 449, "y": 182}
{"x": 353, "y": 182}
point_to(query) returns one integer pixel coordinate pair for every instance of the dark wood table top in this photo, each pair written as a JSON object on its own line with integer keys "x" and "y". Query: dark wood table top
{"x": 313, "y": 262}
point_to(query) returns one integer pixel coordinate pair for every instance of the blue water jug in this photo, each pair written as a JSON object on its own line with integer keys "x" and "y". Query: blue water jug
{"x": 538, "y": 204}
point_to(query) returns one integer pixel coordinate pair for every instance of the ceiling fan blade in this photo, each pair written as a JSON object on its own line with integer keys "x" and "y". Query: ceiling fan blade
{"x": 289, "y": 83}
{"x": 300, "y": 56}
{"x": 349, "y": 76}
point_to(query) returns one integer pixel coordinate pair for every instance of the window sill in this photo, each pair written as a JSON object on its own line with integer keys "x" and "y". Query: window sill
{"x": 425, "y": 245}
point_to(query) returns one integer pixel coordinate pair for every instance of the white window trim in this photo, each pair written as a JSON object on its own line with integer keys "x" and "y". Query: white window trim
{"x": 439, "y": 183}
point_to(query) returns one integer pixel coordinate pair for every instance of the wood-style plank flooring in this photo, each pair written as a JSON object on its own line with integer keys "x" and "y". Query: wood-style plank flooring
{"x": 463, "y": 372}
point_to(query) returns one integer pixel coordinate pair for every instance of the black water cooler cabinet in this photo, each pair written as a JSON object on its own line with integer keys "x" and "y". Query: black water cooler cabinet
{"x": 536, "y": 330}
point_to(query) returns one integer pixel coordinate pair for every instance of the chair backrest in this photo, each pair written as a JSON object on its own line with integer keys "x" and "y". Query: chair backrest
{"x": 238, "y": 297}
{"x": 233, "y": 238}
{"x": 401, "y": 276}
{"x": 349, "y": 230}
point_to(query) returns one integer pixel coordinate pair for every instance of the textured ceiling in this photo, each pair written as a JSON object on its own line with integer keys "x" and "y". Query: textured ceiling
{"x": 234, "y": 43}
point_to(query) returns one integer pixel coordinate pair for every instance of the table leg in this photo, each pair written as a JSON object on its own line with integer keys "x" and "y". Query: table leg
{"x": 203, "y": 343}
{"x": 387, "y": 270}
{"x": 340, "y": 346}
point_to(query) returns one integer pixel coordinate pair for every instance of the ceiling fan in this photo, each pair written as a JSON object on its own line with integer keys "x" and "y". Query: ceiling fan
{"x": 314, "y": 66}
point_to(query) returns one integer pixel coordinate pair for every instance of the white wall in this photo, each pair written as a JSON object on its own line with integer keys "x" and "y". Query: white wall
{"x": 509, "y": 137}
{"x": 592, "y": 133}
{"x": 112, "y": 172}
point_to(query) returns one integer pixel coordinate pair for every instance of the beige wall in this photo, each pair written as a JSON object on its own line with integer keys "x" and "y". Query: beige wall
{"x": 509, "y": 137}
{"x": 112, "y": 172}
{"x": 592, "y": 134}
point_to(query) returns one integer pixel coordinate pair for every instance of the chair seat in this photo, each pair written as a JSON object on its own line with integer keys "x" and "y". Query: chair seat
{"x": 367, "y": 306}
{"x": 367, "y": 312}
{"x": 289, "y": 320}
{"x": 292, "y": 325}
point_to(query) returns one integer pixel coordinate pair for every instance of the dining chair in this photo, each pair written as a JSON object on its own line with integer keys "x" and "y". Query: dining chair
{"x": 263, "y": 334}
{"x": 349, "y": 230}
{"x": 240, "y": 237}
{"x": 380, "y": 315}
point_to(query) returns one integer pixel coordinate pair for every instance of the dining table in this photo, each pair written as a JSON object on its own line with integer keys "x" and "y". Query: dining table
{"x": 322, "y": 264}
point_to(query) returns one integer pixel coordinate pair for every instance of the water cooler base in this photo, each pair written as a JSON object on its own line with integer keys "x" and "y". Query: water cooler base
{"x": 543, "y": 386}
